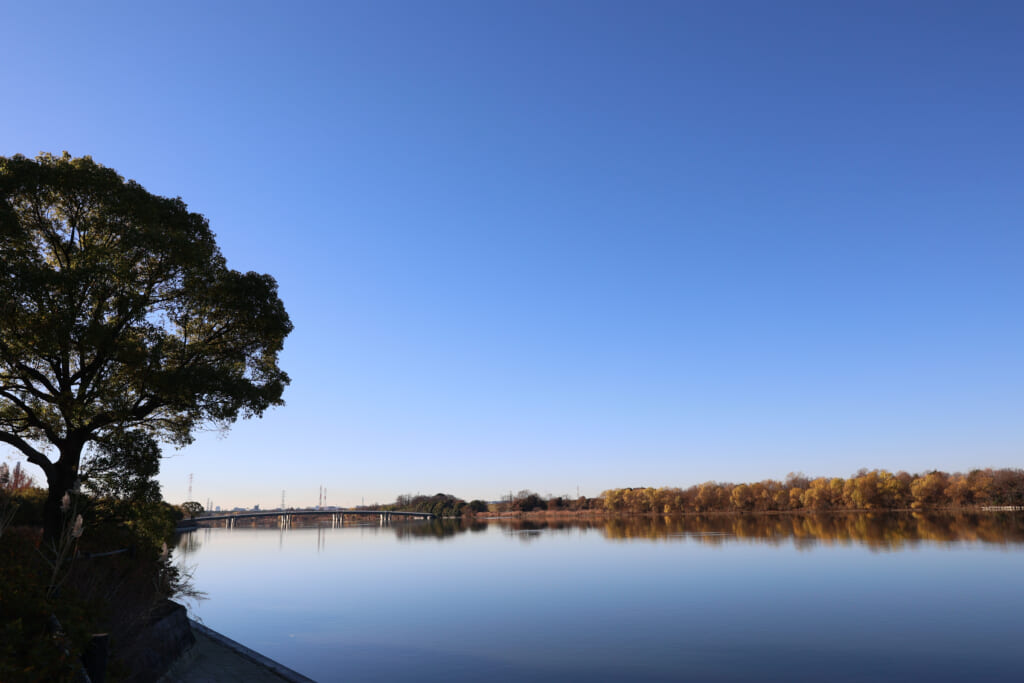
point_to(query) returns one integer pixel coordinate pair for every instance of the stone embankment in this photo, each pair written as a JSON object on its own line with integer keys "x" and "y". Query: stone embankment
{"x": 215, "y": 658}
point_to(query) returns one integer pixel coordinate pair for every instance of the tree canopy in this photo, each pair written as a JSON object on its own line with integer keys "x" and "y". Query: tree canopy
{"x": 118, "y": 313}
{"x": 122, "y": 467}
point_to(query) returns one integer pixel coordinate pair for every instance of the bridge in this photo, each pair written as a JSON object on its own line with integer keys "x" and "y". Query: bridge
{"x": 337, "y": 516}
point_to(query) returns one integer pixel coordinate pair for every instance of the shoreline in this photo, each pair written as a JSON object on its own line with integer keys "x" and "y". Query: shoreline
{"x": 215, "y": 658}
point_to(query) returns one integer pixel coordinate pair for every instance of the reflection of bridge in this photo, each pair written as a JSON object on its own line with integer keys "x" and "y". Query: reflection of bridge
{"x": 337, "y": 516}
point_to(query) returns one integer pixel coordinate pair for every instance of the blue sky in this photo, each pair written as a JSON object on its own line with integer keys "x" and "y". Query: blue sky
{"x": 556, "y": 244}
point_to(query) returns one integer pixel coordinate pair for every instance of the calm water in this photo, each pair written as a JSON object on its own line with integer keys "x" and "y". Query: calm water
{"x": 790, "y": 598}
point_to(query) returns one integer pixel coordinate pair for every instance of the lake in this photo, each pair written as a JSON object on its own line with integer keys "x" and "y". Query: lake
{"x": 855, "y": 597}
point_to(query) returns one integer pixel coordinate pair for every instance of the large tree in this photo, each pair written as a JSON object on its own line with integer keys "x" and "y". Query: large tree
{"x": 118, "y": 313}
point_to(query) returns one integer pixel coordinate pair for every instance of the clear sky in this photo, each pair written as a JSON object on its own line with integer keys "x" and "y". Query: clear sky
{"x": 556, "y": 244}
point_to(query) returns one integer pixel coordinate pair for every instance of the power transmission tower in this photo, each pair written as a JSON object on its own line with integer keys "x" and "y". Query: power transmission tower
{"x": 282, "y": 499}
{"x": 190, "y": 478}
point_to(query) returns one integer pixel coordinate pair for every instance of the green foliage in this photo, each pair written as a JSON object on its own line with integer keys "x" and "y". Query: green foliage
{"x": 119, "y": 475}
{"x": 123, "y": 467}
{"x": 8, "y": 509}
{"x": 120, "y": 324}
{"x": 30, "y": 504}
{"x": 110, "y": 593}
{"x": 153, "y": 522}
{"x": 440, "y": 504}
{"x": 526, "y": 501}
{"x": 192, "y": 508}
{"x": 29, "y": 649}
{"x": 118, "y": 313}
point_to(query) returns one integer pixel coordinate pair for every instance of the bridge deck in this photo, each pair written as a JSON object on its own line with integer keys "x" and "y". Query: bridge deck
{"x": 313, "y": 513}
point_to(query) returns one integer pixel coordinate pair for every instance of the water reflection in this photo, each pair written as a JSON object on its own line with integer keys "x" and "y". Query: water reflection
{"x": 882, "y": 531}
{"x": 877, "y": 530}
{"x": 435, "y": 528}
{"x": 701, "y": 597}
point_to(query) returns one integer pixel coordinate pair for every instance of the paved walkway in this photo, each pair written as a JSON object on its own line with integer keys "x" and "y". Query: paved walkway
{"x": 218, "y": 659}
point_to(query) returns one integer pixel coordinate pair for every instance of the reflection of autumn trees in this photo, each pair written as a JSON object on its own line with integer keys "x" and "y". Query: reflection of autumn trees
{"x": 866, "y": 490}
{"x": 876, "y": 529}
{"x": 884, "y": 530}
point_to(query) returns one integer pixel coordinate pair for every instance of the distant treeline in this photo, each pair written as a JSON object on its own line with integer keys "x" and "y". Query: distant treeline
{"x": 447, "y": 505}
{"x": 866, "y": 490}
{"x": 441, "y": 504}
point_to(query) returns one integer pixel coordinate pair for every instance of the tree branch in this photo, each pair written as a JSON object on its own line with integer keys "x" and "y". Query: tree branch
{"x": 42, "y": 379}
{"x": 30, "y": 415}
{"x": 35, "y": 457}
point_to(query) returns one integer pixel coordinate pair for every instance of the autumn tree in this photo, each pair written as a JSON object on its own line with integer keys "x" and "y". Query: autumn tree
{"x": 14, "y": 478}
{"x": 118, "y": 313}
{"x": 818, "y": 495}
{"x": 742, "y": 498}
{"x": 861, "y": 490}
{"x": 981, "y": 485}
{"x": 709, "y": 497}
{"x": 929, "y": 490}
{"x": 893, "y": 489}
{"x": 1008, "y": 487}
{"x": 614, "y": 500}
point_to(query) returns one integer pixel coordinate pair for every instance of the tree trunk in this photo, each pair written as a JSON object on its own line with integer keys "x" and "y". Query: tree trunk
{"x": 60, "y": 479}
